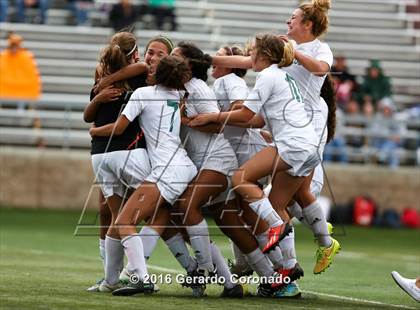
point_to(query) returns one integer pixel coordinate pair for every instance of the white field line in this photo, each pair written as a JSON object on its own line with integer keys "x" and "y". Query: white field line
{"x": 366, "y": 301}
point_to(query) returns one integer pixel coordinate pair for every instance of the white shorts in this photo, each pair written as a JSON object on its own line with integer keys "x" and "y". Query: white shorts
{"x": 115, "y": 171}
{"x": 301, "y": 157}
{"x": 222, "y": 160}
{"x": 172, "y": 181}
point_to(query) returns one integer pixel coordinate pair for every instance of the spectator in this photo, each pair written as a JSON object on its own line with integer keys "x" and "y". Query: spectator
{"x": 4, "y": 10}
{"x": 353, "y": 109}
{"x": 123, "y": 15}
{"x": 345, "y": 82}
{"x": 163, "y": 9}
{"x": 376, "y": 85}
{"x": 387, "y": 134}
{"x": 21, "y": 6}
{"x": 20, "y": 78}
{"x": 336, "y": 149}
{"x": 81, "y": 10}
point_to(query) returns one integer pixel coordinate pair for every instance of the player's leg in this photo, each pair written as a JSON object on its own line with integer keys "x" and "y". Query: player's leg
{"x": 207, "y": 184}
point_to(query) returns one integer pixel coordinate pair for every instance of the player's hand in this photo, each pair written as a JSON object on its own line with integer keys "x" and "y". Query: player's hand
{"x": 92, "y": 131}
{"x": 201, "y": 120}
{"x": 109, "y": 93}
{"x": 102, "y": 83}
{"x": 283, "y": 38}
{"x": 267, "y": 136}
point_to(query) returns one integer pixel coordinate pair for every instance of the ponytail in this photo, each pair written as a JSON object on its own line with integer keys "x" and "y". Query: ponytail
{"x": 288, "y": 55}
{"x": 200, "y": 62}
{"x": 328, "y": 94}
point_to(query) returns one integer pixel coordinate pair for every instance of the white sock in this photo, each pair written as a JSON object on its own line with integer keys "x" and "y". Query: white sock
{"x": 114, "y": 253}
{"x": 275, "y": 255}
{"x": 315, "y": 217}
{"x": 297, "y": 212}
{"x": 200, "y": 242}
{"x": 102, "y": 252}
{"x": 149, "y": 237}
{"x": 133, "y": 248}
{"x": 221, "y": 265}
{"x": 264, "y": 210}
{"x": 287, "y": 247}
{"x": 259, "y": 263}
{"x": 178, "y": 248}
{"x": 240, "y": 260}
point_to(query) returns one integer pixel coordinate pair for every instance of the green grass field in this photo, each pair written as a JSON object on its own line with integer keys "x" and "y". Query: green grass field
{"x": 43, "y": 265}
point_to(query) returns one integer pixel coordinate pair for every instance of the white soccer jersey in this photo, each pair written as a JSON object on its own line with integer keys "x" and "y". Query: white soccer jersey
{"x": 310, "y": 85}
{"x": 245, "y": 142}
{"x": 160, "y": 120}
{"x": 228, "y": 89}
{"x": 206, "y": 150}
{"x": 276, "y": 97}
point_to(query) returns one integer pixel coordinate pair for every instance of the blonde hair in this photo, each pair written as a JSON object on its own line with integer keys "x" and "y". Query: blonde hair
{"x": 274, "y": 49}
{"x": 317, "y": 12}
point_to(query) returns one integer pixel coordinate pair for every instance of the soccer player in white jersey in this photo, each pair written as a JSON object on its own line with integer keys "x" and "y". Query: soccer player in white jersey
{"x": 231, "y": 91}
{"x": 313, "y": 60}
{"x": 172, "y": 170}
{"x": 295, "y": 156}
{"x": 209, "y": 150}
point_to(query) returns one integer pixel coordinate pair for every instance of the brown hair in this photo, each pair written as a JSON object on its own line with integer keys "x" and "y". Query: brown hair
{"x": 198, "y": 60}
{"x": 117, "y": 55}
{"x": 236, "y": 50}
{"x": 162, "y": 39}
{"x": 275, "y": 50}
{"x": 173, "y": 72}
{"x": 316, "y": 12}
{"x": 328, "y": 94}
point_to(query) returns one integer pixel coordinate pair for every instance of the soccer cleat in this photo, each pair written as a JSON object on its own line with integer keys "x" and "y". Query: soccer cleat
{"x": 325, "y": 256}
{"x": 275, "y": 235}
{"x": 407, "y": 285}
{"x": 105, "y": 287}
{"x": 291, "y": 290}
{"x": 289, "y": 275}
{"x": 239, "y": 271}
{"x": 196, "y": 280}
{"x": 265, "y": 290}
{"x": 134, "y": 288}
{"x": 235, "y": 292}
{"x": 330, "y": 228}
{"x": 95, "y": 288}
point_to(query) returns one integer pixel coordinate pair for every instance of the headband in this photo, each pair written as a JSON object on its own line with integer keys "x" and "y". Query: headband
{"x": 132, "y": 51}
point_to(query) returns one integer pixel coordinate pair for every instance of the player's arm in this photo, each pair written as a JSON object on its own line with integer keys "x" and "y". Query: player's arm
{"x": 116, "y": 128}
{"x": 108, "y": 94}
{"x": 255, "y": 122}
{"x": 122, "y": 74}
{"x": 313, "y": 65}
{"x": 209, "y": 128}
{"x": 236, "y": 61}
{"x": 317, "y": 67}
{"x": 228, "y": 118}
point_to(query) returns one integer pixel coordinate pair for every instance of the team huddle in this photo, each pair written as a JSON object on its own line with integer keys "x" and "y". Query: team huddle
{"x": 165, "y": 145}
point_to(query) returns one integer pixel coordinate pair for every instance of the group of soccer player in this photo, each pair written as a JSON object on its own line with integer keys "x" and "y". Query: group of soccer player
{"x": 165, "y": 145}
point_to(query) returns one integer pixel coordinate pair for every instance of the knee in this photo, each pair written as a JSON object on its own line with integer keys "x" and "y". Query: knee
{"x": 237, "y": 178}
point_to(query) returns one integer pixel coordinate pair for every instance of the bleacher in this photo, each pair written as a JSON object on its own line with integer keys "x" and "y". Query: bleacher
{"x": 66, "y": 55}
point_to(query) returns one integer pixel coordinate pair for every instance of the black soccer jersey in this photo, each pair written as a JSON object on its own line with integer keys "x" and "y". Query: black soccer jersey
{"x": 108, "y": 112}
